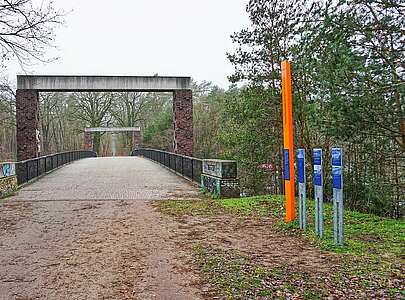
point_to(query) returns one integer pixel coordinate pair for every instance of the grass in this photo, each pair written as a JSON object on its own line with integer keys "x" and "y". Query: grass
{"x": 364, "y": 233}
{"x": 237, "y": 277}
{"x": 371, "y": 261}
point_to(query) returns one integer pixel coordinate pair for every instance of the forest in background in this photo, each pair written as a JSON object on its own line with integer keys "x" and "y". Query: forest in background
{"x": 347, "y": 60}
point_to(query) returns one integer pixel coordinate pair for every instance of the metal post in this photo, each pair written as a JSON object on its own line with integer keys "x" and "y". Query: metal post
{"x": 318, "y": 182}
{"x": 182, "y": 165}
{"x": 192, "y": 169}
{"x": 27, "y": 167}
{"x": 302, "y": 188}
{"x": 337, "y": 179}
{"x": 288, "y": 141}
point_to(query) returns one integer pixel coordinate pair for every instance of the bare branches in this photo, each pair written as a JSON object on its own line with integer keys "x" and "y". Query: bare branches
{"x": 93, "y": 108}
{"x": 26, "y": 31}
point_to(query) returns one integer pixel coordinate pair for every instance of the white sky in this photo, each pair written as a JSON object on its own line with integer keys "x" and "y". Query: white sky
{"x": 145, "y": 37}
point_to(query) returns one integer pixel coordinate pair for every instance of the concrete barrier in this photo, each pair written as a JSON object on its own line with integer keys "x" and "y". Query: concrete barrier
{"x": 8, "y": 178}
{"x": 219, "y": 177}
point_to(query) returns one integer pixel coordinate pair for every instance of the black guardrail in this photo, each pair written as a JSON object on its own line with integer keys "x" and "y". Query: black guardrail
{"x": 34, "y": 167}
{"x": 189, "y": 167}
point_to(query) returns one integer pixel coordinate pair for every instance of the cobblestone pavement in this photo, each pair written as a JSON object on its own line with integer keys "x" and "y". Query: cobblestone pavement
{"x": 110, "y": 178}
{"x": 88, "y": 231}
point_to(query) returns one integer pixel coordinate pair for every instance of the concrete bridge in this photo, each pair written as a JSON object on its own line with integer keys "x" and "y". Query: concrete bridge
{"x": 88, "y": 230}
{"x": 29, "y": 87}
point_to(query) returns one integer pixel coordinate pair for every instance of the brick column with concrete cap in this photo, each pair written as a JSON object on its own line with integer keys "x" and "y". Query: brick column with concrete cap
{"x": 183, "y": 122}
{"x": 136, "y": 140}
{"x": 88, "y": 141}
{"x": 27, "y": 119}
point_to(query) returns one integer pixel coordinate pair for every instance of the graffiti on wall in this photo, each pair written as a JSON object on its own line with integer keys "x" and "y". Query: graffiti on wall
{"x": 220, "y": 168}
{"x": 7, "y": 169}
{"x": 212, "y": 168}
{"x": 8, "y": 180}
{"x": 226, "y": 188}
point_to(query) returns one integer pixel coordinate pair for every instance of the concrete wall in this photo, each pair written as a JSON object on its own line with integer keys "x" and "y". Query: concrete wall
{"x": 112, "y": 129}
{"x": 8, "y": 178}
{"x": 102, "y": 83}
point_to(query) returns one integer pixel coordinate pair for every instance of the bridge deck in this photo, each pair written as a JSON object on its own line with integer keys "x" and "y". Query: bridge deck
{"x": 88, "y": 231}
{"x": 109, "y": 178}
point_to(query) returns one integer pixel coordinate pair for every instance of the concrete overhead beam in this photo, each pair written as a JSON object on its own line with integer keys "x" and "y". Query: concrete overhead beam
{"x": 102, "y": 83}
{"x": 112, "y": 129}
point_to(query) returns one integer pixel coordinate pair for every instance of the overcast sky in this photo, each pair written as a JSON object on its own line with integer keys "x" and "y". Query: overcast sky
{"x": 145, "y": 37}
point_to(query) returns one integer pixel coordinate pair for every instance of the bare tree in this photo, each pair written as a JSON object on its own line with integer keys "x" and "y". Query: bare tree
{"x": 7, "y": 120}
{"x": 7, "y": 105}
{"x": 128, "y": 112}
{"x": 94, "y": 110}
{"x": 27, "y": 30}
{"x": 50, "y": 103}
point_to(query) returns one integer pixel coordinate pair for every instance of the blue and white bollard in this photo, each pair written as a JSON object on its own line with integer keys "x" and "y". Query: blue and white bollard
{"x": 337, "y": 178}
{"x": 317, "y": 161}
{"x": 302, "y": 189}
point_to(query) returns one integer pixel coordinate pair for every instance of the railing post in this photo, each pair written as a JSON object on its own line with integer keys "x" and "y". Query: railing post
{"x": 192, "y": 168}
{"x": 39, "y": 172}
{"x": 182, "y": 165}
{"x": 27, "y": 169}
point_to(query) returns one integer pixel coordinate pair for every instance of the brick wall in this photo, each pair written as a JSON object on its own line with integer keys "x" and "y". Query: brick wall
{"x": 27, "y": 117}
{"x": 183, "y": 122}
{"x": 136, "y": 140}
{"x": 88, "y": 141}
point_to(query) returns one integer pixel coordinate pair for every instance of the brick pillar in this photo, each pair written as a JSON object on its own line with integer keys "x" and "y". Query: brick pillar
{"x": 136, "y": 140}
{"x": 183, "y": 122}
{"x": 27, "y": 119}
{"x": 88, "y": 141}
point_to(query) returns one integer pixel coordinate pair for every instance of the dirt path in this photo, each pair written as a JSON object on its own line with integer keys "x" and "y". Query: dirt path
{"x": 244, "y": 254}
{"x": 257, "y": 238}
{"x": 92, "y": 230}
{"x": 61, "y": 239}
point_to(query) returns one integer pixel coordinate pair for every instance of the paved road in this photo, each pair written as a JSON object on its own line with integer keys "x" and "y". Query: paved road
{"x": 88, "y": 231}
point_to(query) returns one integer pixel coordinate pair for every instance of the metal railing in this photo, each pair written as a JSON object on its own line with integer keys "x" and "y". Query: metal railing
{"x": 34, "y": 167}
{"x": 189, "y": 167}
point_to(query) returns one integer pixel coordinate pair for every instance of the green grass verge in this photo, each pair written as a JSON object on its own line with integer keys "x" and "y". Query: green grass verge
{"x": 371, "y": 259}
{"x": 236, "y": 276}
{"x": 364, "y": 233}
